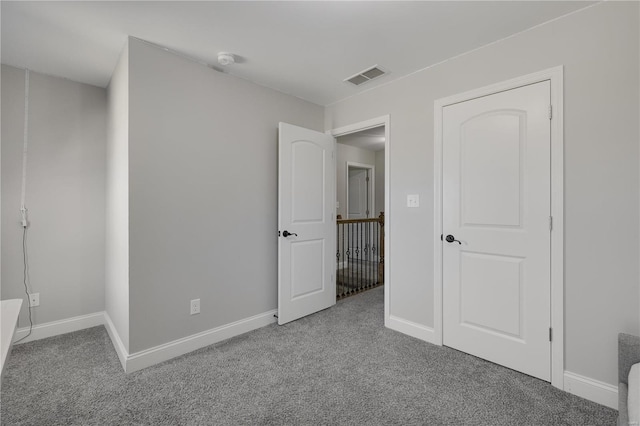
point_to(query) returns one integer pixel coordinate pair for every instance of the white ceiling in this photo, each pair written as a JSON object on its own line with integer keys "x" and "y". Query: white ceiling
{"x": 371, "y": 139}
{"x": 302, "y": 48}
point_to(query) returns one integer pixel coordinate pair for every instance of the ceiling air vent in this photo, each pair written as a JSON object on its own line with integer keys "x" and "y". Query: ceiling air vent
{"x": 366, "y": 75}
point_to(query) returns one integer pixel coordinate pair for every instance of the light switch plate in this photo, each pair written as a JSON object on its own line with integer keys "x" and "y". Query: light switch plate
{"x": 413, "y": 200}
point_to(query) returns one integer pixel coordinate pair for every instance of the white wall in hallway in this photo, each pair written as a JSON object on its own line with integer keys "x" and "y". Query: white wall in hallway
{"x": 379, "y": 182}
{"x": 65, "y": 194}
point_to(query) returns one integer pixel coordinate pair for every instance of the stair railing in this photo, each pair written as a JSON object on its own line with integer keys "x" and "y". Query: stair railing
{"x": 359, "y": 255}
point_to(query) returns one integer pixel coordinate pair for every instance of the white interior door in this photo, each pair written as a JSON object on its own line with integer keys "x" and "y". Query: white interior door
{"x": 358, "y": 202}
{"x": 496, "y": 205}
{"x": 306, "y": 222}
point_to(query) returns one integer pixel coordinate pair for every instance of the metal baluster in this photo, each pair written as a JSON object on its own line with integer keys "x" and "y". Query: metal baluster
{"x": 343, "y": 256}
{"x": 378, "y": 249}
{"x": 361, "y": 249}
{"x": 337, "y": 259}
{"x": 357, "y": 286}
{"x": 370, "y": 257}
{"x": 366, "y": 246}
{"x": 374, "y": 256}
{"x": 349, "y": 247}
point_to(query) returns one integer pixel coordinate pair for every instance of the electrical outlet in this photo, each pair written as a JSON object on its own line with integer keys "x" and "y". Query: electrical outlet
{"x": 34, "y": 299}
{"x": 195, "y": 306}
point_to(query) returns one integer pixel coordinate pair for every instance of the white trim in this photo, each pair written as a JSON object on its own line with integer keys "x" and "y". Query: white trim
{"x": 357, "y": 127}
{"x": 555, "y": 75}
{"x": 437, "y": 222}
{"x": 120, "y": 348}
{"x": 360, "y": 126}
{"x": 9, "y": 313}
{"x": 591, "y": 389}
{"x": 54, "y": 328}
{"x": 412, "y": 329}
{"x": 557, "y": 233}
{"x": 371, "y": 205}
{"x": 167, "y": 351}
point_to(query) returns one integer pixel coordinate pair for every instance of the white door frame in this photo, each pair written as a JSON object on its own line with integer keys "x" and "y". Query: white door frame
{"x": 357, "y": 127}
{"x": 372, "y": 185}
{"x": 555, "y": 75}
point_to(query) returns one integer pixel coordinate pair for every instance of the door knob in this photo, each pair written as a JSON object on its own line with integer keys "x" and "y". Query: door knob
{"x": 450, "y": 238}
{"x": 287, "y": 233}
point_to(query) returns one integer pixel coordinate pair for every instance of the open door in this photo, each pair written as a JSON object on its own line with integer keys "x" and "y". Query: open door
{"x": 306, "y": 222}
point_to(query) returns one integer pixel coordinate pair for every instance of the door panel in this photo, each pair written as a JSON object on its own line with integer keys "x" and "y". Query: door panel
{"x": 307, "y": 182}
{"x": 494, "y": 198}
{"x": 307, "y": 272}
{"x": 483, "y": 275}
{"x": 306, "y": 200}
{"x": 496, "y": 202}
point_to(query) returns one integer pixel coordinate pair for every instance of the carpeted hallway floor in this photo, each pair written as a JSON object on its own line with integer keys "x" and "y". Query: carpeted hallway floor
{"x": 337, "y": 367}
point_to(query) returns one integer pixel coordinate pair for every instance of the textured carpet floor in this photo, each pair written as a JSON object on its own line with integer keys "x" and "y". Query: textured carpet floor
{"x": 338, "y": 367}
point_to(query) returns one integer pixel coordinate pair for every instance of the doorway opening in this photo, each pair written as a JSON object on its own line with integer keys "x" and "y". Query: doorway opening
{"x": 360, "y": 208}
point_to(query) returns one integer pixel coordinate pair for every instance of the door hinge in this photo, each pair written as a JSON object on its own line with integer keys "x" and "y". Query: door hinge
{"x": 550, "y": 223}
{"x": 550, "y": 112}
{"x": 550, "y": 334}
{"x": 367, "y": 178}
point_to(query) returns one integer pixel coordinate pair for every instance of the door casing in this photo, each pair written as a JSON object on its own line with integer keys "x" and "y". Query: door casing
{"x": 555, "y": 76}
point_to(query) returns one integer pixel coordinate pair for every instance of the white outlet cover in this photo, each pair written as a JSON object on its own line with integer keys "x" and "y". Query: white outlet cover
{"x": 195, "y": 307}
{"x": 34, "y": 299}
{"x": 413, "y": 200}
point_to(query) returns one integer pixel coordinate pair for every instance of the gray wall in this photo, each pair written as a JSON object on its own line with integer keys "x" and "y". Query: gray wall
{"x": 200, "y": 225}
{"x": 117, "y": 200}
{"x": 352, "y": 154}
{"x": 379, "y": 182}
{"x": 599, "y": 49}
{"x": 65, "y": 194}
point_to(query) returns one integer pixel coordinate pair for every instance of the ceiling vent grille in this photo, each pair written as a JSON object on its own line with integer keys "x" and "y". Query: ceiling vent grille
{"x": 366, "y": 75}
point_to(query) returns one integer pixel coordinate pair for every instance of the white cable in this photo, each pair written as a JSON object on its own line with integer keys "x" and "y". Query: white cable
{"x": 23, "y": 208}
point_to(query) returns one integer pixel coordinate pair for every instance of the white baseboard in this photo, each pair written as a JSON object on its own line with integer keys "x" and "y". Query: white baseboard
{"x": 54, "y": 328}
{"x": 412, "y": 329}
{"x": 167, "y": 351}
{"x": 148, "y": 357}
{"x": 591, "y": 389}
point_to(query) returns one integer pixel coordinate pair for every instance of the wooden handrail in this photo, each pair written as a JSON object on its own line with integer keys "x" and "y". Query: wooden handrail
{"x": 371, "y": 219}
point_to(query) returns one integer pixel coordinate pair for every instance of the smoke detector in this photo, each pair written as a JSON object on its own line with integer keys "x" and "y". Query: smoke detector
{"x": 225, "y": 58}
